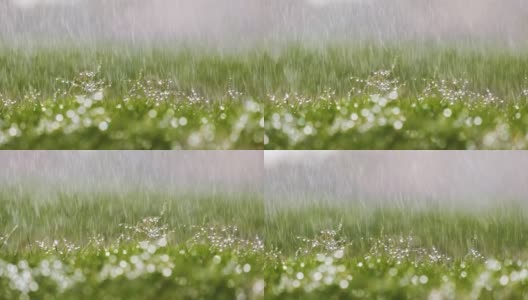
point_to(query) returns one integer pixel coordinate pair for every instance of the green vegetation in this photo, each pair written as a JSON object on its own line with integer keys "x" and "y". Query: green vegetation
{"x": 121, "y": 246}
{"x": 383, "y": 120}
{"x": 130, "y": 246}
{"x": 86, "y": 123}
{"x": 79, "y": 217}
{"x": 397, "y": 253}
{"x": 123, "y": 101}
{"x": 366, "y": 96}
{"x": 260, "y": 72}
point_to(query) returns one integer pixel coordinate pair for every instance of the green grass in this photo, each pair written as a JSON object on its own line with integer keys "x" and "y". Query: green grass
{"x": 68, "y": 98}
{"x": 262, "y": 71}
{"x": 74, "y": 246}
{"x": 142, "y": 245}
{"x": 373, "y": 122}
{"x": 439, "y": 103}
{"x": 79, "y": 217}
{"x": 82, "y": 114}
{"x": 143, "y": 123}
{"x": 397, "y": 253}
{"x": 490, "y": 231}
{"x": 290, "y": 97}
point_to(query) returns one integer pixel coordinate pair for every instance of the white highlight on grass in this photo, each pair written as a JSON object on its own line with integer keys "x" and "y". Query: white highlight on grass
{"x": 504, "y": 280}
{"x": 258, "y": 287}
{"x": 423, "y": 279}
{"x": 246, "y": 268}
{"x": 343, "y": 284}
{"x": 339, "y": 254}
{"x": 13, "y": 131}
{"x": 103, "y": 126}
{"x": 152, "y": 113}
{"x": 393, "y": 95}
{"x": 308, "y": 130}
{"x": 98, "y": 96}
{"x": 317, "y": 276}
{"x": 493, "y": 265}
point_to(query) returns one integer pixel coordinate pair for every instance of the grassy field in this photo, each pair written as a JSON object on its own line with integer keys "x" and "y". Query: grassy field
{"x": 403, "y": 98}
{"x": 362, "y": 96}
{"x": 78, "y": 246}
{"x": 131, "y": 246}
{"x": 142, "y": 123}
{"x": 259, "y": 72}
{"x": 113, "y": 99}
{"x": 397, "y": 253}
{"x": 385, "y": 121}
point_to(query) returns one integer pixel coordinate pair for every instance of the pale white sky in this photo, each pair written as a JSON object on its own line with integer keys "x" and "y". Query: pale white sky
{"x": 33, "y": 3}
{"x": 125, "y": 170}
{"x": 461, "y": 178}
{"x": 233, "y": 22}
{"x": 328, "y": 2}
{"x": 272, "y": 157}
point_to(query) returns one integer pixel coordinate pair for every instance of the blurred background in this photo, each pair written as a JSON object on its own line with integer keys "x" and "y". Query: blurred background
{"x": 47, "y": 173}
{"x": 457, "y": 179}
{"x": 237, "y": 23}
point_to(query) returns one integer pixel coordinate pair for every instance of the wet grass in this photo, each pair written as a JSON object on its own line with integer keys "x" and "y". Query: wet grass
{"x": 143, "y": 263}
{"x": 362, "y": 96}
{"x": 85, "y": 123}
{"x": 66, "y": 98}
{"x": 150, "y": 115}
{"x": 143, "y": 246}
{"x": 379, "y": 122}
{"x": 397, "y": 253}
{"x": 496, "y": 231}
{"x": 385, "y": 111}
{"x": 79, "y": 217}
{"x": 260, "y": 72}
{"x": 133, "y": 246}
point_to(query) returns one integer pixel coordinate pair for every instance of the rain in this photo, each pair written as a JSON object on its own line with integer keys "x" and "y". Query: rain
{"x": 44, "y": 173}
{"x": 294, "y": 149}
{"x": 413, "y": 179}
{"x": 241, "y": 23}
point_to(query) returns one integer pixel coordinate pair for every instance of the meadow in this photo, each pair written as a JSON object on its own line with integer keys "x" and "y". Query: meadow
{"x": 107, "y": 98}
{"x": 405, "y": 96}
{"x": 78, "y": 246}
{"x": 397, "y": 253}
{"x": 343, "y": 96}
{"x": 131, "y": 246}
